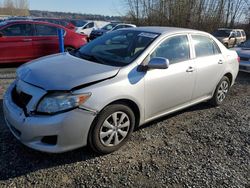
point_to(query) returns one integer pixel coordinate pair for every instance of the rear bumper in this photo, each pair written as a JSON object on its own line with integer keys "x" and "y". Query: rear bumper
{"x": 71, "y": 128}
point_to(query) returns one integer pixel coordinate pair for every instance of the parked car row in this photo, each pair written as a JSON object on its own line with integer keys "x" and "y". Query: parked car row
{"x": 22, "y": 41}
{"x": 230, "y": 37}
{"x": 79, "y": 26}
{"x": 108, "y": 28}
{"x": 236, "y": 40}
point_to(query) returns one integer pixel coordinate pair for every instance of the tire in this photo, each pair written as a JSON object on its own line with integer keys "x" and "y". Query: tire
{"x": 226, "y": 45}
{"x": 69, "y": 49}
{"x": 221, "y": 92}
{"x": 105, "y": 136}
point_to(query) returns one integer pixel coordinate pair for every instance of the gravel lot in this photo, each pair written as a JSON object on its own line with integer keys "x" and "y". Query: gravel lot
{"x": 199, "y": 147}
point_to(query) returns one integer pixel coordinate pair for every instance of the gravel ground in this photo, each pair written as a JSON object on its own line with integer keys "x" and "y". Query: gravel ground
{"x": 199, "y": 147}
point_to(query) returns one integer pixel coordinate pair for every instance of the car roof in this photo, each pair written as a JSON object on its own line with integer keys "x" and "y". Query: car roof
{"x": 47, "y": 18}
{"x": 126, "y": 24}
{"x": 163, "y": 30}
{"x": 228, "y": 29}
{"x": 33, "y": 22}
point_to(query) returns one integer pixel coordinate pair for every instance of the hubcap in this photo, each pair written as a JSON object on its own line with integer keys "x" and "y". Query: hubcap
{"x": 114, "y": 129}
{"x": 222, "y": 92}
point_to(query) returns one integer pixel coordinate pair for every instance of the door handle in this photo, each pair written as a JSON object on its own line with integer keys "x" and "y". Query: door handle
{"x": 27, "y": 40}
{"x": 190, "y": 69}
{"x": 220, "y": 62}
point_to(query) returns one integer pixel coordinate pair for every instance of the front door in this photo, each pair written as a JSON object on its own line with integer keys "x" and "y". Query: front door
{"x": 170, "y": 88}
{"x": 16, "y": 43}
{"x": 45, "y": 41}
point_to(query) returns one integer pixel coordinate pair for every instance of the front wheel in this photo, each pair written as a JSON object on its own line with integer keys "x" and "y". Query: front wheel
{"x": 111, "y": 129}
{"x": 220, "y": 92}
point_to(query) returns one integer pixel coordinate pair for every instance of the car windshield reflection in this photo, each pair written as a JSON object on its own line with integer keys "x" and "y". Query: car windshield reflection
{"x": 118, "y": 48}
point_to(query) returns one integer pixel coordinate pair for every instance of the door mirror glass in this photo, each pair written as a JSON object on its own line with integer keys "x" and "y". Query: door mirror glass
{"x": 158, "y": 63}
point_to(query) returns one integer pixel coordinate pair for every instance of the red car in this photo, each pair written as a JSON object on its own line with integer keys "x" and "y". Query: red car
{"x": 58, "y": 21}
{"x": 22, "y": 41}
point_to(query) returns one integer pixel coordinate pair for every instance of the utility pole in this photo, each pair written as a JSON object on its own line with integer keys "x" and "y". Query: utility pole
{"x": 137, "y": 12}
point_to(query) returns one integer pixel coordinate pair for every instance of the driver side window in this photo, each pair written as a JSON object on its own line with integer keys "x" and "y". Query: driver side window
{"x": 176, "y": 49}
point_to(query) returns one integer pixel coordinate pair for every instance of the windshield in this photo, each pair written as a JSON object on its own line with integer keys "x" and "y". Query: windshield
{"x": 109, "y": 26}
{"x": 118, "y": 48}
{"x": 222, "y": 33}
{"x": 245, "y": 44}
{"x": 78, "y": 23}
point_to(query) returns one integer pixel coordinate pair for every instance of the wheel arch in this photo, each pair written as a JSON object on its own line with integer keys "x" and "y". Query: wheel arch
{"x": 230, "y": 77}
{"x": 131, "y": 104}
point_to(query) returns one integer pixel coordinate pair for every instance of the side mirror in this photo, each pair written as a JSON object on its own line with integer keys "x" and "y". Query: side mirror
{"x": 1, "y": 34}
{"x": 158, "y": 63}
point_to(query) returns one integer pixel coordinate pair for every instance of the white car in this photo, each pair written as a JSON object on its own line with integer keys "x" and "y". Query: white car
{"x": 84, "y": 26}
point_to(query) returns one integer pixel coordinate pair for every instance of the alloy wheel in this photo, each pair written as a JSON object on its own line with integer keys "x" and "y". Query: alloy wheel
{"x": 114, "y": 129}
{"x": 222, "y": 91}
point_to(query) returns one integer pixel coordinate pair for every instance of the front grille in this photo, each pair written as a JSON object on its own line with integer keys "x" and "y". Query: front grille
{"x": 20, "y": 99}
{"x": 244, "y": 59}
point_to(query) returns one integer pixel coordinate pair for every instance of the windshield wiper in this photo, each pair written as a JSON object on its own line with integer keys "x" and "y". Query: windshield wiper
{"x": 92, "y": 58}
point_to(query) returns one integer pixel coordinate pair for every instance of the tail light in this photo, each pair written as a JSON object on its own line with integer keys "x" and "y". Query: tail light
{"x": 238, "y": 59}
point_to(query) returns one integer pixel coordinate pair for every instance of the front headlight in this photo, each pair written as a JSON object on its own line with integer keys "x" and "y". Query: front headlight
{"x": 60, "y": 102}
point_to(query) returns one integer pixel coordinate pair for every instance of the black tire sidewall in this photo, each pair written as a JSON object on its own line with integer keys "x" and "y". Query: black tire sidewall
{"x": 94, "y": 138}
{"x": 214, "y": 100}
{"x": 69, "y": 47}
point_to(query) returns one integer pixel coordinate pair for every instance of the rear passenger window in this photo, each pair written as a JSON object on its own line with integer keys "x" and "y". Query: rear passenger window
{"x": 18, "y": 30}
{"x": 238, "y": 34}
{"x": 45, "y": 30}
{"x": 205, "y": 46}
{"x": 175, "y": 49}
{"x": 243, "y": 33}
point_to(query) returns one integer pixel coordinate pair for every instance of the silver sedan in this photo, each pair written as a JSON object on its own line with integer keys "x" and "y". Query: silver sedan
{"x": 99, "y": 94}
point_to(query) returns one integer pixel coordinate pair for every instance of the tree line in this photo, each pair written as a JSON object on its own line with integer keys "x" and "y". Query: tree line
{"x": 15, "y": 8}
{"x": 198, "y": 14}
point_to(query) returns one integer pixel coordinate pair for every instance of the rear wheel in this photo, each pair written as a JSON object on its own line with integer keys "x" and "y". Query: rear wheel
{"x": 111, "y": 129}
{"x": 221, "y": 91}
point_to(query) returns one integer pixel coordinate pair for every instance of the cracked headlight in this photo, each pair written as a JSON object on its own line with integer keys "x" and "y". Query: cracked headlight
{"x": 61, "y": 102}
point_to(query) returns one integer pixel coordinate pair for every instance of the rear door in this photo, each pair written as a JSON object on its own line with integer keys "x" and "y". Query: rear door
{"x": 45, "y": 41}
{"x": 210, "y": 65}
{"x": 16, "y": 43}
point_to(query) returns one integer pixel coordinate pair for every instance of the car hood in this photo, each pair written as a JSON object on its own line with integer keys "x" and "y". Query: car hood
{"x": 64, "y": 72}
